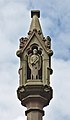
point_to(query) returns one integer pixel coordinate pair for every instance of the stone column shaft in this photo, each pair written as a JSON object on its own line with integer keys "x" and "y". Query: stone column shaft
{"x": 34, "y": 110}
{"x": 34, "y": 114}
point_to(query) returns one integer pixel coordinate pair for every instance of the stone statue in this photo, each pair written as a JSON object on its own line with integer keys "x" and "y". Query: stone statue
{"x": 34, "y": 62}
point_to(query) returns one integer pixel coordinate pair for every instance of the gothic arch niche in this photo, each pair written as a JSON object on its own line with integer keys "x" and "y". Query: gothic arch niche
{"x": 34, "y": 62}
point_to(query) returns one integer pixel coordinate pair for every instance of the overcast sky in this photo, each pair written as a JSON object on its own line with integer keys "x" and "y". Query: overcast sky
{"x": 14, "y": 23}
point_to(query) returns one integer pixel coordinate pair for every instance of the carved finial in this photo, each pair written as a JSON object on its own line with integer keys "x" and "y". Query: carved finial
{"x": 35, "y": 12}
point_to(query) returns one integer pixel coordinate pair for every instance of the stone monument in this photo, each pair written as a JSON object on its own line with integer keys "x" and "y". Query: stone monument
{"x": 35, "y": 53}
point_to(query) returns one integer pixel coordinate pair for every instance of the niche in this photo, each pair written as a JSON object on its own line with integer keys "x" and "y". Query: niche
{"x": 34, "y": 62}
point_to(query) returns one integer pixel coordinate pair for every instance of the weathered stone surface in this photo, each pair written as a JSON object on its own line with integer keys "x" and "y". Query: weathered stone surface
{"x": 35, "y": 53}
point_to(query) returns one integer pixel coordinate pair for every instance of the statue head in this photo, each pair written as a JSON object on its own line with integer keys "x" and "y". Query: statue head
{"x": 34, "y": 51}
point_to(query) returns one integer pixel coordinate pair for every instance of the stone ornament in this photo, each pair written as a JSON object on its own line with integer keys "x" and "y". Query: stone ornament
{"x": 34, "y": 62}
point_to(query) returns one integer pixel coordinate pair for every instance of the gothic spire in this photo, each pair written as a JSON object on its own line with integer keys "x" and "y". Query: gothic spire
{"x": 35, "y": 24}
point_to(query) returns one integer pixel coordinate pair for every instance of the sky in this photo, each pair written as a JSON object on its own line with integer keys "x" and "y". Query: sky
{"x": 15, "y": 20}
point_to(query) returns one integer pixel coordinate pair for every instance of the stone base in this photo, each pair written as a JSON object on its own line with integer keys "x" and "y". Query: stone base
{"x": 34, "y": 97}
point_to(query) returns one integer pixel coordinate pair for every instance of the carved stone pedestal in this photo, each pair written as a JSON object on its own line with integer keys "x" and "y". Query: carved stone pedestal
{"x": 34, "y": 95}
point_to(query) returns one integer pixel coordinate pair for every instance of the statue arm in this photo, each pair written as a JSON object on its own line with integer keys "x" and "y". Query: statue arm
{"x": 31, "y": 61}
{"x": 36, "y": 60}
